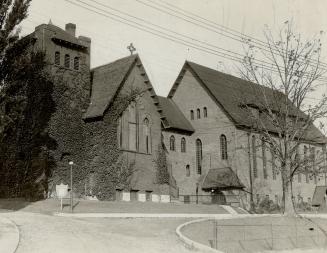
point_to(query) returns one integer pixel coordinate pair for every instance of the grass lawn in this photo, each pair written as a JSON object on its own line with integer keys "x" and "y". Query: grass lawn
{"x": 260, "y": 234}
{"x": 89, "y": 206}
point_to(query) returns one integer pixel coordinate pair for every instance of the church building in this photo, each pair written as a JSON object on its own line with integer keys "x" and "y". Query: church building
{"x": 195, "y": 145}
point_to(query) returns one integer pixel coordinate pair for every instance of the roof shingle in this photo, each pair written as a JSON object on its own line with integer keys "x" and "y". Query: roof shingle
{"x": 222, "y": 179}
{"x": 231, "y": 93}
{"x": 175, "y": 118}
{"x": 106, "y": 80}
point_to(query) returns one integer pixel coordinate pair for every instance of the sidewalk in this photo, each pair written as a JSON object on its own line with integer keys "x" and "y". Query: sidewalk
{"x": 50, "y": 206}
{"x": 9, "y": 236}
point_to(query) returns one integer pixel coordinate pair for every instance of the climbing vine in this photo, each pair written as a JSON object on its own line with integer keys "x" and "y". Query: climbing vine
{"x": 162, "y": 166}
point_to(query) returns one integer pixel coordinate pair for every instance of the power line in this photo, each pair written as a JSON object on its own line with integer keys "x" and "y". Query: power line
{"x": 240, "y": 37}
{"x": 178, "y": 34}
{"x": 236, "y": 57}
{"x": 140, "y": 27}
{"x": 262, "y": 63}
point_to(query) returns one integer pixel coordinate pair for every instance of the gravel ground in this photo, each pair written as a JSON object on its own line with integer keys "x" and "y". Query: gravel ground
{"x": 41, "y": 233}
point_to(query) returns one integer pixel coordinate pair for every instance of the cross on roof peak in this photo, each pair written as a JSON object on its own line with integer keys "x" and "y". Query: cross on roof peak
{"x": 131, "y": 48}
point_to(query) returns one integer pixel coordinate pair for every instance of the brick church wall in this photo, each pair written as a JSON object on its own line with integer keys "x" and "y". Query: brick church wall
{"x": 191, "y": 96}
{"x": 208, "y": 130}
{"x": 71, "y": 96}
{"x": 103, "y": 144}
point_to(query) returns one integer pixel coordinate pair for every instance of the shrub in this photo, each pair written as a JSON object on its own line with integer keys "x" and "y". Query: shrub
{"x": 267, "y": 206}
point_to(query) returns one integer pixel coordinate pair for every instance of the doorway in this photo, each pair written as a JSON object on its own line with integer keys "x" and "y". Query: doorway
{"x": 217, "y": 197}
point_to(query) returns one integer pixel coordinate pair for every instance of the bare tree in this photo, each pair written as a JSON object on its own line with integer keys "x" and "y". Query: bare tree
{"x": 281, "y": 78}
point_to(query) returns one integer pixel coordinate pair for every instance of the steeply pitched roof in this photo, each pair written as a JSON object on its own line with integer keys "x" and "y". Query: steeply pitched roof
{"x": 231, "y": 93}
{"x": 174, "y": 117}
{"x": 106, "y": 80}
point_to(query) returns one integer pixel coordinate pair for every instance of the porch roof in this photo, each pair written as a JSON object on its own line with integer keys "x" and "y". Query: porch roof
{"x": 222, "y": 179}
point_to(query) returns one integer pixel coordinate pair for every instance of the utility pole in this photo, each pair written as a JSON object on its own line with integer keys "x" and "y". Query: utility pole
{"x": 250, "y": 175}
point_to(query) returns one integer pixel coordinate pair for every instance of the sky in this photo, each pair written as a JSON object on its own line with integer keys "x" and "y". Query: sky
{"x": 164, "y": 58}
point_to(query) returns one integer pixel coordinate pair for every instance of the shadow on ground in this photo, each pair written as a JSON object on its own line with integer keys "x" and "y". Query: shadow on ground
{"x": 14, "y": 204}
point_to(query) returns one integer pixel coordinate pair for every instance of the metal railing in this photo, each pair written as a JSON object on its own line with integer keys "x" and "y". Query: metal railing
{"x": 270, "y": 235}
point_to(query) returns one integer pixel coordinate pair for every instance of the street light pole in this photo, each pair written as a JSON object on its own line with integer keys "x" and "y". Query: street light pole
{"x": 71, "y": 163}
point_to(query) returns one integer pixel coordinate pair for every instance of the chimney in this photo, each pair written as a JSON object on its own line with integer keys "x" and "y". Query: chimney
{"x": 71, "y": 29}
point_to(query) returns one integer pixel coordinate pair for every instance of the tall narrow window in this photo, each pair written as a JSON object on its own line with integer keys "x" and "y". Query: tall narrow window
{"x": 305, "y": 153}
{"x": 57, "y": 58}
{"x": 297, "y": 160}
{"x": 147, "y": 135}
{"x": 120, "y": 131}
{"x": 273, "y": 164}
{"x": 313, "y": 159}
{"x": 223, "y": 147}
{"x": 264, "y": 159}
{"x": 133, "y": 128}
{"x": 183, "y": 145}
{"x": 188, "y": 172}
{"x": 205, "y": 112}
{"x": 76, "y": 63}
{"x": 192, "y": 114}
{"x": 299, "y": 177}
{"x": 254, "y": 157}
{"x": 172, "y": 143}
{"x": 198, "y": 113}
{"x": 199, "y": 156}
{"x": 67, "y": 61}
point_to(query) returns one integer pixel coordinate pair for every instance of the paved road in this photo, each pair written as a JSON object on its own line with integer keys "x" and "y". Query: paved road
{"x": 45, "y": 233}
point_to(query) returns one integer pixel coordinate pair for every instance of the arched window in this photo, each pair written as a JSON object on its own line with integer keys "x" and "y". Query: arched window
{"x": 67, "y": 61}
{"x": 254, "y": 157}
{"x": 223, "y": 147}
{"x": 264, "y": 159}
{"x": 305, "y": 153}
{"x": 76, "y": 63}
{"x": 199, "y": 156}
{"x": 198, "y": 113}
{"x": 172, "y": 143}
{"x": 133, "y": 123}
{"x": 192, "y": 115}
{"x": 57, "y": 58}
{"x": 205, "y": 112}
{"x": 188, "y": 172}
{"x": 120, "y": 131}
{"x": 147, "y": 135}
{"x": 183, "y": 145}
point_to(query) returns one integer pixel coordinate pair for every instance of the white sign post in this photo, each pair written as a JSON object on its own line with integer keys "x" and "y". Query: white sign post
{"x": 61, "y": 190}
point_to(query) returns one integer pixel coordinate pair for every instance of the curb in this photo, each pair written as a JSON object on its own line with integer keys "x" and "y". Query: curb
{"x": 147, "y": 215}
{"x": 193, "y": 244}
{"x": 9, "y": 235}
